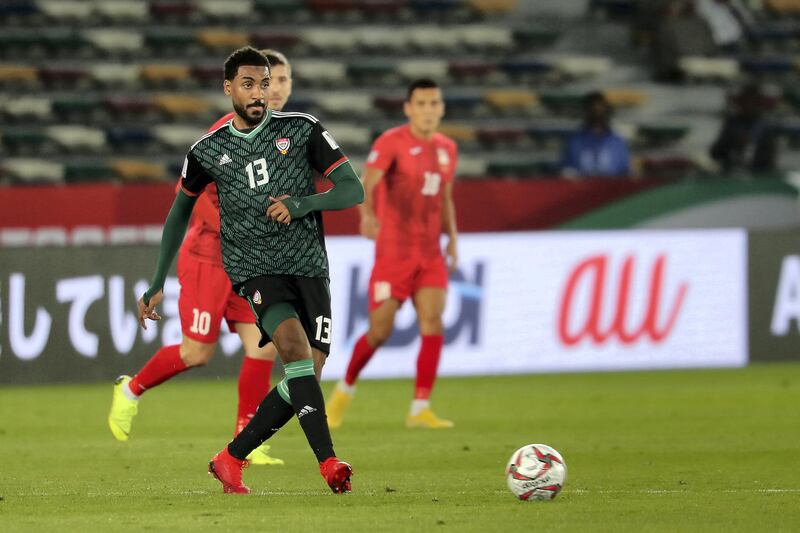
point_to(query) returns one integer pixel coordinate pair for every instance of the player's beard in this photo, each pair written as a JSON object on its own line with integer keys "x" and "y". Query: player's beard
{"x": 251, "y": 121}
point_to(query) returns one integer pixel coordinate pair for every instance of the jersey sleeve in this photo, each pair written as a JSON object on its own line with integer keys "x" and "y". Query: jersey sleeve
{"x": 323, "y": 151}
{"x": 194, "y": 178}
{"x": 382, "y": 154}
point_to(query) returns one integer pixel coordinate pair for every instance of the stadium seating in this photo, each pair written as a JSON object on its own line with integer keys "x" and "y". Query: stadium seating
{"x": 99, "y": 82}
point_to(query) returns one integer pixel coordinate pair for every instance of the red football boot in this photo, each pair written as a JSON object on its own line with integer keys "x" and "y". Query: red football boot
{"x": 228, "y": 470}
{"x": 337, "y": 473}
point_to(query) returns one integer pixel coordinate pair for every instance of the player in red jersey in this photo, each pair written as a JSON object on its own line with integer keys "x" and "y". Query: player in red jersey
{"x": 206, "y": 298}
{"x": 408, "y": 187}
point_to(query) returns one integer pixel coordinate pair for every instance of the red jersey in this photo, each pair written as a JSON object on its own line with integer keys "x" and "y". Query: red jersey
{"x": 202, "y": 239}
{"x": 408, "y": 200}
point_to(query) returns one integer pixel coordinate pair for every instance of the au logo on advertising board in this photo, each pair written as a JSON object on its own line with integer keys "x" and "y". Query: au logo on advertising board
{"x": 660, "y": 310}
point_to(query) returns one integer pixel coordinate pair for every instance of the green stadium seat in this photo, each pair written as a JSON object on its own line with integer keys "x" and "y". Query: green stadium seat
{"x": 282, "y": 10}
{"x": 521, "y": 168}
{"x": 660, "y": 134}
{"x": 14, "y": 44}
{"x": 371, "y": 71}
{"x": 112, "y": 42}
{"x": 138, "y": 170}
{"x": 27, "y": 107}
{"x": 230, "y": 9}
{"x": 27, "y": 140}
{"x": 65, "y": 42}
{"x": 88, "y": 171}
{"x": 222, "y": 40}
{"x": 63, "y": 10}
{"x": 75, "y": 107}
{"x": 161, "y": 74}
{"x": 511, "y": 100}
{"x": 34, "y": 170}
{"x": 168, "y": 40}
{"x": 77, "y": 138}
{"x": 562, "y": 102}
{"x": 528, "y": 38}
{"x": 123, "y": 11}
{"x": 114, "y": 74}
{"x": 181, "y": 105}
{"x": 284, "y": 41}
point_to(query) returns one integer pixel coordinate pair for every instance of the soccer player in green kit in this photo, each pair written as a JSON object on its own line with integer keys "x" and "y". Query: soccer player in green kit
{"x": 263, "y": 163}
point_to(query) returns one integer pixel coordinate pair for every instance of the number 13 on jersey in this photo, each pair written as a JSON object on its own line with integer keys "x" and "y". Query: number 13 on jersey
{"x": 257, "y": 168}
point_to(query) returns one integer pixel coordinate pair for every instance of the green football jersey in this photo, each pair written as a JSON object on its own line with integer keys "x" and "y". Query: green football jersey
{"x": 279, "y": 156}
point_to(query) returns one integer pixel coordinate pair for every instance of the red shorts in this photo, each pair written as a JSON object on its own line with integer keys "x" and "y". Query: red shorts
{"x": 206, "y": 298}
{"x": 400, "y": 278}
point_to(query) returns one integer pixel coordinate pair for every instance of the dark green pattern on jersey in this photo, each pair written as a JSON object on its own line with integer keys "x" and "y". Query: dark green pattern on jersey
{"x": 252, "y": 244}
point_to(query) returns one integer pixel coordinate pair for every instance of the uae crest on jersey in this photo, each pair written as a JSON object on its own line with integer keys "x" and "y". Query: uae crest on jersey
{"x": 283, "y": 145}
{"x": 257, "y": 298}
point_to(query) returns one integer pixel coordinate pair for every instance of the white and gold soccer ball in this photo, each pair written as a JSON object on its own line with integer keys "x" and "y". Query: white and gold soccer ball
{"x": 536, "y": 472}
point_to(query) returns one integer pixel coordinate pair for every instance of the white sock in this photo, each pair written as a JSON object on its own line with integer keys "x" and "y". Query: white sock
{"x": 126, "y": 390}
{"x": 418, "y": 405}
{"x": 345, "y": 388}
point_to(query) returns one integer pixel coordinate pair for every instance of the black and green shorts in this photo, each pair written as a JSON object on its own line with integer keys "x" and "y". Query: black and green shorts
{"x": 278, "y": 297}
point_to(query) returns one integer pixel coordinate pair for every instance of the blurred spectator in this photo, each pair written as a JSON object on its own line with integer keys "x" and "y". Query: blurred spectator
{"x": 680, "y": 33}
{"x": 595, "y": 150}
{"x": 747, "y": 139}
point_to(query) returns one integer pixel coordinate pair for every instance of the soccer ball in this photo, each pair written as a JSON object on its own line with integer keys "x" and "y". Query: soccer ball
{"x": 536, "y": 472}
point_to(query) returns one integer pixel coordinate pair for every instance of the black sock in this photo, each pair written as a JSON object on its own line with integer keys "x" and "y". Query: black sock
{"x": 271, "y": 415}
{"x": 309, "y": 405}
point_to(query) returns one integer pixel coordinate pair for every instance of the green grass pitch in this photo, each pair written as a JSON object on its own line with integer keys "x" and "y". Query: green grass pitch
{"x": 663, "y": 451}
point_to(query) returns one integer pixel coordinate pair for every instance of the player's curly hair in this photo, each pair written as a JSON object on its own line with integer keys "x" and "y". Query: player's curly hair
{"x": 248, "y": 56}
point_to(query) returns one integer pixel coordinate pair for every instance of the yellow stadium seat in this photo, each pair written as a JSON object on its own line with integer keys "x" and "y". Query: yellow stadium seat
{"x": 510, "y": 99}
{"x": 625, "y": 97}
{"x": 492, "y": 6}
{"x": 181, "y": 104}
{"x": 223, "y": 39}
{"x": 17, "y": 73}
{"x": 137, "y": 170}
{"x": 160, "y": 74}
{"x": 458, "y": 132}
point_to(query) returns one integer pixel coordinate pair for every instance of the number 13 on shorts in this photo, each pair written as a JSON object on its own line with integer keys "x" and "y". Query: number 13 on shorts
{"x": 323, "y": 333}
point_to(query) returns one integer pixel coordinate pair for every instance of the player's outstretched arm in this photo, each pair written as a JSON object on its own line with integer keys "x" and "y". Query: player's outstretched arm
{"x": 347, "y": 191}
{"x": 171, "y": 239}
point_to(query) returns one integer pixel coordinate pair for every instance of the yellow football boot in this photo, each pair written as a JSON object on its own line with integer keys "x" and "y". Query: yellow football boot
{"x": 261, "y": 456}
{"x": 427, "y": 419}
{"x": 336, "y": 406}
{"x": 123, "y": 410}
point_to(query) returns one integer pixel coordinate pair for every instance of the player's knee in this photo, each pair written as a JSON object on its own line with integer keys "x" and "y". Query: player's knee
{"x": 431, "y": 325}
{"x": 196, "y": 354}
{"x": 378, "y": 335}
{"x": 294, "y": 349}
